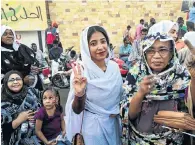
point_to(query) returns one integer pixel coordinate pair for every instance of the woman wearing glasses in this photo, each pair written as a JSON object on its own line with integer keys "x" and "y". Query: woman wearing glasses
{"x": 18, "y": 106}
{"x": 158, "y": 82}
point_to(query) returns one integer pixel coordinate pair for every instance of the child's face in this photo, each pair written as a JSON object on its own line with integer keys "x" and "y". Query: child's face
{"x": 49, "y": 100}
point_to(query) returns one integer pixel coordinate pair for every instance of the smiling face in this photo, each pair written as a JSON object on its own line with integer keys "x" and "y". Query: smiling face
{"x": 7, "y": 37}
{"x": 15, "y": 83}
{"x": 98, "y": 46}
{"x": 159, "y": 55}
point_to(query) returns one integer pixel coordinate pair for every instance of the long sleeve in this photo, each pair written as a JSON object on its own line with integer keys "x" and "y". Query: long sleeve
{"x": 7, "y": 130}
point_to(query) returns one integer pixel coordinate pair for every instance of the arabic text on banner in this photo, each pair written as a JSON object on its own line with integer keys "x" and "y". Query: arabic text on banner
{"x": 24, "y": 16}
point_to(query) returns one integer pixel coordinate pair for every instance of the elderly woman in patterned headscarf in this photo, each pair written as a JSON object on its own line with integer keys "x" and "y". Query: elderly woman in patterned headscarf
{"x": 158, "y": 82}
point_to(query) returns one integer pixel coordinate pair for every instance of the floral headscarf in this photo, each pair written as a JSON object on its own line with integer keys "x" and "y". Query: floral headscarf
{"x": 171, "y": 82}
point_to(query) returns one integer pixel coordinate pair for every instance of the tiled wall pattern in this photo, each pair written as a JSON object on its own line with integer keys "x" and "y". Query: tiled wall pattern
{"x": 74, "y": 15}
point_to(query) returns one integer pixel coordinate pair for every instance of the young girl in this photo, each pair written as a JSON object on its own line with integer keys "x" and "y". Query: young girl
{"x": 50, "y": 124}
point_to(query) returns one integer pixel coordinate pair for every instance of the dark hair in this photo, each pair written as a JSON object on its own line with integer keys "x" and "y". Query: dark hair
{"x": 56, "y": 93}
{"x": 74, "y": 141}
{"x": 180, "y": 19}
{"x": 33, "y": 44}
{"x": 55, "y": 42}
{"x": 94, "y": 29}
{"x": 190, "y": 25}
{"x": 125, "y": 39}
{"x": 144, "y": 30}
{"x": 73, "y": 53}
{"x": 152, "y": 19}
{"x": 128, "y": 27}
{"x": 194, "y": 4}
{"x": 142, "y": 20}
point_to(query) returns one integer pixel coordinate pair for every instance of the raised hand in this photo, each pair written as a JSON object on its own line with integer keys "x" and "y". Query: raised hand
{"x": 190, "y": 60}
{"x": 79, "y": 82}
{"x": 190, "y": 46}
{"x": 147, "y": 84}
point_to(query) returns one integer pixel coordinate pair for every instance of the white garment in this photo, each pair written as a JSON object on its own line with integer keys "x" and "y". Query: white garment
{"x": 191, "y": 37}
{"x": 40, "y": 57}
{"x": 102, "y": 99}
{"x": 163, "y": 26}
{"x": 54, "y": 67}
{"x": 132, "y": 55}
{"x": 15, "y": 44}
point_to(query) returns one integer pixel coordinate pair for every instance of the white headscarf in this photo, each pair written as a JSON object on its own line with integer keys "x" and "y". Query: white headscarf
{"x": 103, "y": 89}
{"x": 15, "y": 45}
{"x": 163, "y": 26}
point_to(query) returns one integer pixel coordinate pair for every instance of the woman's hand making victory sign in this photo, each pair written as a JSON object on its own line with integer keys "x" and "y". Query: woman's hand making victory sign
{"x": 79, "y": 82}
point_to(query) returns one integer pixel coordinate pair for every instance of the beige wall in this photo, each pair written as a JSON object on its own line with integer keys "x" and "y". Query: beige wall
{"x": 75, "y": 15}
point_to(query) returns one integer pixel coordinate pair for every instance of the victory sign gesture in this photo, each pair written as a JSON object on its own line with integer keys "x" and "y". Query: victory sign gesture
{"x": 79, "y": 82}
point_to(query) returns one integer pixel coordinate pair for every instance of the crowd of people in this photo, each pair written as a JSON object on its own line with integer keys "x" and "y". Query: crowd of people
{"x": 102, "y": 109}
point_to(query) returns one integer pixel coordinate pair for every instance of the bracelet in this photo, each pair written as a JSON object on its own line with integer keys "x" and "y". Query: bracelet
{"x": 81, "y": 97}
{"x": 83, "y": 94}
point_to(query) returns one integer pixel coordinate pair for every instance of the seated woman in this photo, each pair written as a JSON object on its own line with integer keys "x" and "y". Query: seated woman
{"x": 18, "y": 105}
{"x": 158, "y": 82}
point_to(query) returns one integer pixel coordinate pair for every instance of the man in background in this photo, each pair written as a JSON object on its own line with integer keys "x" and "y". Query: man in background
{"x": 182, "y": 29}
{"x": 137, "y": 44}
{"x": 39, "y": 55}
{"x": 152, "y": 22}
{"x": 192, "y": 13}
{"x": 138, "y": 29}
{"x": 49, "y": 36}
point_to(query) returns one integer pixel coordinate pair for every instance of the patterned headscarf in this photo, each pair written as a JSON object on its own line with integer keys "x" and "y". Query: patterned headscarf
{"x": 171, "y": 82}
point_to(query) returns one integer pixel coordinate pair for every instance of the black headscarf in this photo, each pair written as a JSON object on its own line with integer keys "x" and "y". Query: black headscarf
{"x": 8, "y": 95}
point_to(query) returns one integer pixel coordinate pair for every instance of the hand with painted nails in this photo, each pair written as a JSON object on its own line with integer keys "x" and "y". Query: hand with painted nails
{"x": 79, "y": 82}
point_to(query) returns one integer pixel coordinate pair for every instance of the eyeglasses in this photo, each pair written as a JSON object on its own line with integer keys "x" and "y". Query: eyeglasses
{"x": 163, "y": 52}
{"x": 13, "y": 80}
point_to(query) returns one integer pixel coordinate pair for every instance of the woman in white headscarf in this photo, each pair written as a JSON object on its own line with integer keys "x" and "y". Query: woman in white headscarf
{"x": 165, "y": 26}
{"x": 14, "y": 56}
{"x": 95, "y": 92}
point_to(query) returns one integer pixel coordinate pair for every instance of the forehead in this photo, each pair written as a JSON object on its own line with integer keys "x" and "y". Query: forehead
{"x": 144, "y": 32}
{"x": 174, "y": 28}
{"x": 13, "y": 76}
{"x": 96, "y": 35}
{"x": 8, "y": 31}
{"x": 48, "y": 93}
{"x": 159, "y": 43}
